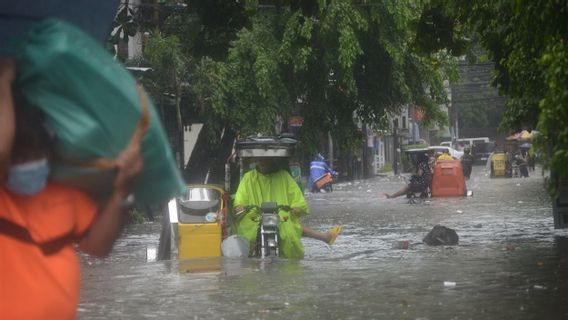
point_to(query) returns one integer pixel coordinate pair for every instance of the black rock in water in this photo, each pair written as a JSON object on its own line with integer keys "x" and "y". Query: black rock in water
{"x": 441, "y": 236}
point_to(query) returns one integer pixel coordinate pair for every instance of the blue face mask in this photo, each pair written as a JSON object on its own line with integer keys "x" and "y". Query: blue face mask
{"x": 28, "y": 178}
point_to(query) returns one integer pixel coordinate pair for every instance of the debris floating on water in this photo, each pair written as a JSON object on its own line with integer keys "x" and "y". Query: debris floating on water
{"x": 440, "y": 235}
{"x": 404, "y": 244}
{"x": 151, "y": 254}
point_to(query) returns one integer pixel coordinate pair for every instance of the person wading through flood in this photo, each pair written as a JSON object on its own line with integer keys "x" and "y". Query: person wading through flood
{"x": 467, "y": 163}
{"x": 269, "y": 183}
{"x": 42, "y": 221}
{"x": 318, "y": 169}
{"x": 445, "y": 156}
{"x": 419, "y": 181}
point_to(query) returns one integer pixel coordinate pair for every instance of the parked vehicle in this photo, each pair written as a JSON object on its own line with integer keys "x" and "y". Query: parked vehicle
{"x": 466, "y": 142}
{"x": 481, "y": 152}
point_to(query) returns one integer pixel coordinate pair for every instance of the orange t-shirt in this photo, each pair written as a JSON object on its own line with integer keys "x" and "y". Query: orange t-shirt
{"x": 41, "y": 281}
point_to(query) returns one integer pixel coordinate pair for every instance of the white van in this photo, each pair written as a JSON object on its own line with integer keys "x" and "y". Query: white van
{"x": 466, "y": 142}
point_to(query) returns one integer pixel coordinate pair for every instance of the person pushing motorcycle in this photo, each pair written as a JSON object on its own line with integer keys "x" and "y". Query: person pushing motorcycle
{"x": 269, "y": 183}
{"x": 318, "y": 169}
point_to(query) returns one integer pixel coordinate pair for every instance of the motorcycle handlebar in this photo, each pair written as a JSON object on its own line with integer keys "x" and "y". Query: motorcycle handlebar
{"x": 250, "y": 207}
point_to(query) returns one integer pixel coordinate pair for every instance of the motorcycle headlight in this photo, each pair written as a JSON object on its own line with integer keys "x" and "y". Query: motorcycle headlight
{"x": 270, "y": 221}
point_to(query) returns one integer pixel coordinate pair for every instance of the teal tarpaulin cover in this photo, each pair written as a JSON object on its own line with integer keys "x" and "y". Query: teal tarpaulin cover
{"x": 93, "y": 105}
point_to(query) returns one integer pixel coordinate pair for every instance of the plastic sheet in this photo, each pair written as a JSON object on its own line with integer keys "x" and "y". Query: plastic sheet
{"x": 93, "y": 105}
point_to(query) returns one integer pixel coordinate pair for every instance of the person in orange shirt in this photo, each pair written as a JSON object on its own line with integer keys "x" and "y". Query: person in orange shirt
{"x": 41, "y": 222}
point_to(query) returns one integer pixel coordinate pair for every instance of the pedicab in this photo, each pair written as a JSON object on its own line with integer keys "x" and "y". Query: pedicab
{"x": 197, "y": 227}
{"x": 447, "y": 178}
{"x": 498, "y": 163}
{"x": 269, "y": 219}
{"x": 193, "y": 227}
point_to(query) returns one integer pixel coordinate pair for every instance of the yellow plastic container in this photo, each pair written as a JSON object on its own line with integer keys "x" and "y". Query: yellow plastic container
{"x": 199, "y": 240}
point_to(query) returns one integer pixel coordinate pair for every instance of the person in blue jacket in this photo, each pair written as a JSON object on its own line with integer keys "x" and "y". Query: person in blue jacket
{"x": 318, "y": 168}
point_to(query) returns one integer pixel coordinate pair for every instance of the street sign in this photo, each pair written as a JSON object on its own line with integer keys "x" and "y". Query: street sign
{"x": 296, "y": 121}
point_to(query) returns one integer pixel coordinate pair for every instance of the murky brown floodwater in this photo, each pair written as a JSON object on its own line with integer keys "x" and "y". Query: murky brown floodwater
{"x": 510, "y": 264}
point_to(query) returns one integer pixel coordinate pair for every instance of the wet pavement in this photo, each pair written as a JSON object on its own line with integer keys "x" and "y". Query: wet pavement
{"x": 510, "y": 263}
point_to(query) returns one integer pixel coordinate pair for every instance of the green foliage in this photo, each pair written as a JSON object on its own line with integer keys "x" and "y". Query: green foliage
{"x": 170, "y": 69}
{"x": 208, "y": 27}
{"x": 170, "y": 66}
{"x": 553, "y": 120}
{"x": 527, "y": 41}
{"x": 328, "y": 62}
{"x": 136, "y": 216}
{"x": 386, "y": 168}
{"x": 332, "y": 62}
{"x": 252, "y": 94}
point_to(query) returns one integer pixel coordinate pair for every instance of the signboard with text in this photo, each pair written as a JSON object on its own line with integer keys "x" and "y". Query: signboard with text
{"x": 295, "y": 121}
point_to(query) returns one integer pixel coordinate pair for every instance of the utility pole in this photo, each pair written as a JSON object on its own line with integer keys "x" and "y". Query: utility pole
{"x": 395, "y": 146}
{"x": 330, "y": 148}
{"x": 364, "y": 153}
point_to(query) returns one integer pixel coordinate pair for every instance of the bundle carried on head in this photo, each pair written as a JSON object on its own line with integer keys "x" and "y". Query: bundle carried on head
{"x": 95, "y": 108}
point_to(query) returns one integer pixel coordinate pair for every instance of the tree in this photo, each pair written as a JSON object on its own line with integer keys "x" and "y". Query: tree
{"x": 327, "y": 62}
{"x": 527, "y": 42}
{"x": 171, "y": 70}
{"x": 179, "y": 51}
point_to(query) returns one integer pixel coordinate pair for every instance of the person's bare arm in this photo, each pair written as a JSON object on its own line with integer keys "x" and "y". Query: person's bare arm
{"x": 7, "y": 117}
{"x": 420, "y": 172}
{"x": 107, "y": 226}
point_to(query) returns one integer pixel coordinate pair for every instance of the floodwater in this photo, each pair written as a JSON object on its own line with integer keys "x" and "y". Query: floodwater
{"x": 510, "y": 263}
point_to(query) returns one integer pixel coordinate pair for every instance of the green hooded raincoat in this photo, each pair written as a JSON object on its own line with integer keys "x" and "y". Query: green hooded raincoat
{"x": 256, "y": 188}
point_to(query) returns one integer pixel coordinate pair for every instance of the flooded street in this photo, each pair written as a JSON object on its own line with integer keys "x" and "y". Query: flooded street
{"x": 510, "y": 263}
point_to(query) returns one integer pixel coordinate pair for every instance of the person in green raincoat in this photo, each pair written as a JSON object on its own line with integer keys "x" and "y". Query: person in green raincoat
{"x": 268, "y": 183}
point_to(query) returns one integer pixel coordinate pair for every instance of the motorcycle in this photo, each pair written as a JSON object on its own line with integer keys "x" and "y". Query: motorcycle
{"x": 267, "y": 239}
{"x": 321, "y": 175}
{"x": 197, "y": 225}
